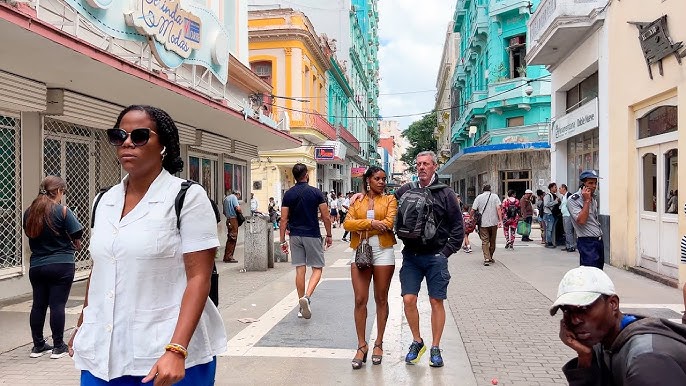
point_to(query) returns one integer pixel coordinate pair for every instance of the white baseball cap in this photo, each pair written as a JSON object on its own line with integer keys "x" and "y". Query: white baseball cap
{"x": 528, "y": 191}
{"x": 581, "y": 287}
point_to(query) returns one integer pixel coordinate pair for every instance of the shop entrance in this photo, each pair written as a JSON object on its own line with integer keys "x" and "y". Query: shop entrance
{"x": 658, "y": 212}
{"x": 518, "y": 180}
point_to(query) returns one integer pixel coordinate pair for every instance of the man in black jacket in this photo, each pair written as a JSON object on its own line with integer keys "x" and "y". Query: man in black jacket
{"x": 613, "y": 348}
{"x": 427, "y": 257}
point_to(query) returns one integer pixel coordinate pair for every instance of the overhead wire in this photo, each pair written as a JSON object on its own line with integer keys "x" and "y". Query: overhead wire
{"x": 541, "y": 78}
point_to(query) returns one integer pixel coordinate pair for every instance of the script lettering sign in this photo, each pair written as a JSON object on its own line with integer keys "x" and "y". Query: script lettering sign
{"x": 177, "y": 30}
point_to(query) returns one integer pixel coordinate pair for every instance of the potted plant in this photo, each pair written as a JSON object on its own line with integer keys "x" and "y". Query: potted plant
{"x": 521, "y": 70}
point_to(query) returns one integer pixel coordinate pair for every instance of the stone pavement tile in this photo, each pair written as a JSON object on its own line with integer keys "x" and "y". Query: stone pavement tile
{"x": 505, "y": 325}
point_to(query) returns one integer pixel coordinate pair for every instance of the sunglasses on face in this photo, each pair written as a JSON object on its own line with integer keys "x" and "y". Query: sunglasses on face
{"x": 139, "y": 137}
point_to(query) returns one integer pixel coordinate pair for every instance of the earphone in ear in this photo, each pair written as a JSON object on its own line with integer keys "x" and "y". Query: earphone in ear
{"x": 164, "y": 150}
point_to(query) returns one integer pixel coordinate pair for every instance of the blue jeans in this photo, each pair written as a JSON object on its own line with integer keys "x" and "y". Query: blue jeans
{"x": 549, "y": 228}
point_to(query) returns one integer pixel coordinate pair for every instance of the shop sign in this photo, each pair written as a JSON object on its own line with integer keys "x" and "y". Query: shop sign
{"x": 656, "y": 43}
{"x": 578, "y": 121}
{"x": 324, "y": 153}
{"x": 178, "y": 32}
{"x": 357, "y": 172}
{"x": 164, "y": 20}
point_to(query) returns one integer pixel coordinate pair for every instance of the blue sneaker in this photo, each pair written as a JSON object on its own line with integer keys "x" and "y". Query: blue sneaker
{"x": 436, "y": 358}
{"x": 417, "y": 349}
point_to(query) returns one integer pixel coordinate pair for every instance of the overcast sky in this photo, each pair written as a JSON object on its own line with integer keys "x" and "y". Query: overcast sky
{"x": 411, "y": 35}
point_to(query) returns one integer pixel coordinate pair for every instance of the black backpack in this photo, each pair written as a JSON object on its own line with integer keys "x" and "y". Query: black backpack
{"x": 415, "y": 219}
{"x": 178, "y": 205}
{"x": 512, "y": 210}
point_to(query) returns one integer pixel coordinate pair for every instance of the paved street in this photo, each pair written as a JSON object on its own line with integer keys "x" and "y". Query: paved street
{"x": 498, "y": 325}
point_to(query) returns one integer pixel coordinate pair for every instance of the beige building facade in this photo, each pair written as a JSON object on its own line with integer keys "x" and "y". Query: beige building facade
{"x": 645, "y": 116}
{"x": 618, "y": 111}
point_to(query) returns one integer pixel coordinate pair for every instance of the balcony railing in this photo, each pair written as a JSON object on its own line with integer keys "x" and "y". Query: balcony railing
{"x": 310, "y": 119}
{"x": 557, "y": 26}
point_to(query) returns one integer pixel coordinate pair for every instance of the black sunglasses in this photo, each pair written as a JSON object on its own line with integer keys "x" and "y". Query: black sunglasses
{"x": 139, "y": 137}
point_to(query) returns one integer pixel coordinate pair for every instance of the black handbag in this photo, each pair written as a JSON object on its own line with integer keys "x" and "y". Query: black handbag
{"x": 364, "y": 257}
{"x": 240, "y": 218}
{"x": 214, "y": 286}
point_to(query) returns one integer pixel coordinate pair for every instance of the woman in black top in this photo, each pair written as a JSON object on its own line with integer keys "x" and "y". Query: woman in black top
{"x": 54, "y": 235}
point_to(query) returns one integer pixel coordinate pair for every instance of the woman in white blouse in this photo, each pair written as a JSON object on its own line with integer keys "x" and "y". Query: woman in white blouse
{"x": 147, "y": 315}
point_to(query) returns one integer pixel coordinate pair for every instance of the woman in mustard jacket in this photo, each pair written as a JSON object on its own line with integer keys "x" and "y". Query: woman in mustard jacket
{"x": 372, "y": 218}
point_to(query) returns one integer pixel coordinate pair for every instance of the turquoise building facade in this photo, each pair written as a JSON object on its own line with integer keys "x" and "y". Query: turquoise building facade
{"x": 500, "y": 106}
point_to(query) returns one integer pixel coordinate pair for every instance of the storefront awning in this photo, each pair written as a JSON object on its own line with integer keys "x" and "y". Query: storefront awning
{"x": 475, "y": 153}
{"x": 36, "y": 50}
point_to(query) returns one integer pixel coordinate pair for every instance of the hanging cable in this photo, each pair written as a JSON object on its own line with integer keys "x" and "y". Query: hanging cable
{"x": 419, "y": 113}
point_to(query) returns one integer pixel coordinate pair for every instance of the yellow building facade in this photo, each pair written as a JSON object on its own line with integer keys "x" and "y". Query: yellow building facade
{"x": 647, "y": 109}
{"x": 286, "y": 52}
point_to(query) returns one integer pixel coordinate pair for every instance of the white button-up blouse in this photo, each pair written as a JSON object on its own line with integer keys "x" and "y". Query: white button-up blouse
{"x": 138, "y": 280}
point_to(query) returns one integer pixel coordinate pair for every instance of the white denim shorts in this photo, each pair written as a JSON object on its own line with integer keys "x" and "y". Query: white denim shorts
{"x": 382, "y": 256}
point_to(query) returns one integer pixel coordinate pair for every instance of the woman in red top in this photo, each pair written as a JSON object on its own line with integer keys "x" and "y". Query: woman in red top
{"x": 511, "y": 212}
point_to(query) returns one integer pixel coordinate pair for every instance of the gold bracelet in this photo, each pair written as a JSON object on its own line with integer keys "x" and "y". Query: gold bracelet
{"x": 177, "y": 349}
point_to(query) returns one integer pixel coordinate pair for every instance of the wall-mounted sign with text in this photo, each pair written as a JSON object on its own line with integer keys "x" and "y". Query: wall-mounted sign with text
{"x": 324, "y": 153}
{"x": 165, "y": 21}
{"x": 177, "y": 31}
{"x": 578, "y": 121}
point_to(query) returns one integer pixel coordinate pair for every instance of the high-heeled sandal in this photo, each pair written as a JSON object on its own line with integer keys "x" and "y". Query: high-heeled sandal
{"x": 357, "y": 363}
{"x": 376, "y": 359}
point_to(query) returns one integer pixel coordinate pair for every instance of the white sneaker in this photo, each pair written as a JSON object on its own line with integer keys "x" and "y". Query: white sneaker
{"x": 300, "y": 313}
{"x": 305, "y": 307}
{"x": 469, "y": 250}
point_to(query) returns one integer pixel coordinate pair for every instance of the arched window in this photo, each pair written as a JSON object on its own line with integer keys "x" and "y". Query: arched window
{"x": 661, "y": 120}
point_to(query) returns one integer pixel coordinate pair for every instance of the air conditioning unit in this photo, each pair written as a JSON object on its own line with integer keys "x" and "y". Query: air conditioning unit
{"x": 472, "y": 131}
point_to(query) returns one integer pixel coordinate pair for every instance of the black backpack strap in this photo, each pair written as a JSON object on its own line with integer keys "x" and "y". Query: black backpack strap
{"x": 181, "y": 196}
{"x": 97, "y": 201}
{"x": 178, "y": 201}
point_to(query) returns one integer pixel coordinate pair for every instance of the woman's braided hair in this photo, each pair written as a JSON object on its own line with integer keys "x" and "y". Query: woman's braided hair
{"x": 166, "y": 130}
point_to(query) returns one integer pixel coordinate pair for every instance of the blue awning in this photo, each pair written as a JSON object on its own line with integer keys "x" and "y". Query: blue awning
{"x": 475, "y": 153}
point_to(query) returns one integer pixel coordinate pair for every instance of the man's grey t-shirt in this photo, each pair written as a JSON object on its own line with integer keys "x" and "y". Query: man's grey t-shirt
{"x": 591, "y": 228}
{"x": 488, "y": 208}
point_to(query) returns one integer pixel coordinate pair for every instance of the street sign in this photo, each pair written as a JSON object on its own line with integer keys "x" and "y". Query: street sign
{"x": 324, "y": 153}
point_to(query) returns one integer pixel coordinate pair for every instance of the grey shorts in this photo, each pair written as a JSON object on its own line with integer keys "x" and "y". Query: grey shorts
{"x": 307, "y": 251}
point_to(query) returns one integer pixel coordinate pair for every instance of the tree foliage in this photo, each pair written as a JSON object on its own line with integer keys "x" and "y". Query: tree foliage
{"x": 420, "y": 134}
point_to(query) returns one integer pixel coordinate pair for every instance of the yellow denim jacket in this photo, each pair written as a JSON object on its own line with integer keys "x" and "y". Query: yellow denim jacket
{"x": 385, "y": 209}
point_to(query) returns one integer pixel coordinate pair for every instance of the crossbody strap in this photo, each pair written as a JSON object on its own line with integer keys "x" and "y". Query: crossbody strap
{"x": 489, "y": 199}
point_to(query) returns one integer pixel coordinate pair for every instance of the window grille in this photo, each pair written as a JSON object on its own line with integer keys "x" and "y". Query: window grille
{"x": 83, "y": 157}
{"x": 10, "y": 193}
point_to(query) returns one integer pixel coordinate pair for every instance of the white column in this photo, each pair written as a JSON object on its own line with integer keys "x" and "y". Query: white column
{"x": 604, "y": 119}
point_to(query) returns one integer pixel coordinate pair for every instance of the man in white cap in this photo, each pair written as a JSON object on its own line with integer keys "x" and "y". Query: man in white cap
{"x": 615, "y": 348}
{"x": 527, "y": 208}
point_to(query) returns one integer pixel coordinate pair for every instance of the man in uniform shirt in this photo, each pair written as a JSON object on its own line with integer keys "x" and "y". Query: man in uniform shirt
{"x": 583, "y": 208}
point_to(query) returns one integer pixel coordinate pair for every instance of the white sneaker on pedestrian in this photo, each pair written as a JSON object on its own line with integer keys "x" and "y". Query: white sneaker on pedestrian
{"x": 300, "y": 313}
{"x": 305, "y": 307}
{"x": 469, "y": 250}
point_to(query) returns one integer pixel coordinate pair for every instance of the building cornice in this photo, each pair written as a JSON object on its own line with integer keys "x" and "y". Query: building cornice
{"x": 286, "y": 34}
{"x": 243, "y": 77}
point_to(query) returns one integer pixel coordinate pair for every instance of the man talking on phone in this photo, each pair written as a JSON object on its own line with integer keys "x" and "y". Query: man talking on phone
{"x": 583, "y": 208}
{"x": 299, "y": 211}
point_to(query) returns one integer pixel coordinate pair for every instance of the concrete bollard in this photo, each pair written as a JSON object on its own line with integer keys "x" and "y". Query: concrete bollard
{"x": 256, "y": 244}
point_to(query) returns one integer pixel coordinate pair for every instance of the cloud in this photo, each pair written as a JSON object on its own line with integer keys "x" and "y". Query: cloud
{"x": 411, "y": 36}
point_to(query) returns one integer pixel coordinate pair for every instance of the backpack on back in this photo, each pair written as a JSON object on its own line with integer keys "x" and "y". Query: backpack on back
{"x": 512, "y": 210}
{"x": 416, "y": 220}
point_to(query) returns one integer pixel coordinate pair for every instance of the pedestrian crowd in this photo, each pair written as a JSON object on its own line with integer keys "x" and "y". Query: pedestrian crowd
{"x": 153, "y": 240}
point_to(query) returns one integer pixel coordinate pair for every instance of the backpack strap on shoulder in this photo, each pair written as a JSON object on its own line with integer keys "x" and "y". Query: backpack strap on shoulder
{"x": 178, "y": 201}
{"x": 97, "y": 201}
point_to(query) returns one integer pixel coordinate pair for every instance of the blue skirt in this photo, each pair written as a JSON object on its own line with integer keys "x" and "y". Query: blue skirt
{"x": 200, "y": 375}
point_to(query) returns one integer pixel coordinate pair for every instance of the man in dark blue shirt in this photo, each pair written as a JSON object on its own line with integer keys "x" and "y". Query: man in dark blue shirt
{"x": 299, "y": 210}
